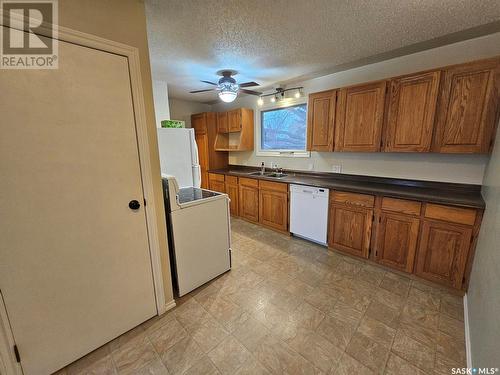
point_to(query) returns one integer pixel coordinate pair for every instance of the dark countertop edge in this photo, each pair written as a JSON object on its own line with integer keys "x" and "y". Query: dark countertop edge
{"x": 436, "y": 192}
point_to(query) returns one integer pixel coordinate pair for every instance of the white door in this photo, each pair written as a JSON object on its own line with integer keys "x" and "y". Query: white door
{"x": 75, "y": 268}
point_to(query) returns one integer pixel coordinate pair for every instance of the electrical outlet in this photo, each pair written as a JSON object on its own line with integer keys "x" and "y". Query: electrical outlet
{"x": 336, "y": 168}
{"x": 274, "y": 165}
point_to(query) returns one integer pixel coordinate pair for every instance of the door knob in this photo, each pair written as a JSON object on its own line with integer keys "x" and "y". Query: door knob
{"x": 134, "y": 204}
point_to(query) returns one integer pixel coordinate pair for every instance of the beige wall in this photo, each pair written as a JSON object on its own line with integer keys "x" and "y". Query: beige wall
{"x": 183, "y": 109}
{"x": 483, "y": 298}
{"x": 125, "y": 21}
{"x": 437, "y": 167}
{"x": 160, "y": 98}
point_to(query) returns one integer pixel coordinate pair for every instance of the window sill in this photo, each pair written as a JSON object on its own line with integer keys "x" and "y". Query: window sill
{"x": 284, "y": 154}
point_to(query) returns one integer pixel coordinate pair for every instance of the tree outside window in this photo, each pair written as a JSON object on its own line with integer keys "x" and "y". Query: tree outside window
{"x": 284, "y": 129}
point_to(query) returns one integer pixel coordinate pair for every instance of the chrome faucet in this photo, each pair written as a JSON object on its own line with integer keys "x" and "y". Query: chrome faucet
{"x": 262, "y": 168}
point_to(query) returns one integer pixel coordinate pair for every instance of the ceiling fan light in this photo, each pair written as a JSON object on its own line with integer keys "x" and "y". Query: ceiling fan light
{"x": 227, "y": 96}
{"x": 260, "y": 101}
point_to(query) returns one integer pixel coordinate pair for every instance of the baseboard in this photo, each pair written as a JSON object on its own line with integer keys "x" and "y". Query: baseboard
{"x": 468, "y": 351}
{"x": 170, "y": 305}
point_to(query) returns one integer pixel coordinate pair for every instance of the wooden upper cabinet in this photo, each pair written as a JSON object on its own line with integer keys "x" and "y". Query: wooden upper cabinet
{"x": 240, "y": 123}
{"x": 222, "y": 122}
{"x": 359, "y": 118}
{"x": 467, "y": 108}
{"x": 396, "y": 241}
{"x": 234, "y": 120}
{"x": 410, "y": 112}
{"x": 442, "y": 253}
{"x": 199, "y": 123}
{"x": 205, "y": 129}
{"x": 321, "y": 120}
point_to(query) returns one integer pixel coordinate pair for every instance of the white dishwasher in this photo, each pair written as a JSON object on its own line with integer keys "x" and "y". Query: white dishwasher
{"x": 309, "y": 212}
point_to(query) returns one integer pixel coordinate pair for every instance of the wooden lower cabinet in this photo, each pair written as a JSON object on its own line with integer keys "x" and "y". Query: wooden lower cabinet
{"x": 350, "y": 229}
{"x": 396, "y": 241}
{"x": 273, "y": 208}
{"x": 442, "y": 254}
{"x": 233, "y": 192}
{"x": 262, "y": 202}
{"x": 249, "y": 199}
{"x": 216, "y": 182}
{"x": 429, "y": 240}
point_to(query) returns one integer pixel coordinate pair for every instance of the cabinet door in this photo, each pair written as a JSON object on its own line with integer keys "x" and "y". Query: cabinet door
{"x": 396, "y": 241}
{"x": 202, "y": 143}
{"x": 249, "y": 203}
{"x": 350, "y": 229}
{"x": 219, "y": 186}
{"x": 232, "y": 192}
{"x": 442, "y": 254}
{"x": 222, "y": 122}
{"x": 273, "y": 209}
{"x": 234, "y": 120}
{"x": 359, "y": 119}
{"x": 321, "y": 120}
{"x": 199, "y": 123}
{"x": 467, "y": 108}
{"x": 410, "y": 114}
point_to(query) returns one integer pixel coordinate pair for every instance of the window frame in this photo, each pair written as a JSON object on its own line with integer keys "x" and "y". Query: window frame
{"x": 284, "y": 103}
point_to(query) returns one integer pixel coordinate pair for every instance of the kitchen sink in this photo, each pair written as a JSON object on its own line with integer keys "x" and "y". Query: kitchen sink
{"x": 276, "y": 175}
{"x": 268, "y": 174}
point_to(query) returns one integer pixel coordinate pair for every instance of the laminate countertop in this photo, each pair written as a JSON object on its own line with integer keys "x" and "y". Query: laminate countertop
{"x": 464, "y": 195}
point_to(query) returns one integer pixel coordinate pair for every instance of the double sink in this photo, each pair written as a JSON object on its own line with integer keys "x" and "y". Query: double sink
{"x": 276, "y": 175}
{"x": 268, "y": 174}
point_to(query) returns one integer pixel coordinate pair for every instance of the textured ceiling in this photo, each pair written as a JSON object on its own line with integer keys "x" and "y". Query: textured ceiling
{"x": 280, "y": 40}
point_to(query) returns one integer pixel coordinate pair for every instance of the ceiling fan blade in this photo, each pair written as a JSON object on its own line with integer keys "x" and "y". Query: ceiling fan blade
{"x": 196, "y": 91}
{"x": 210, "y": 83}
{"x": 251, "y": 92}
{"x": 249, "y": 84}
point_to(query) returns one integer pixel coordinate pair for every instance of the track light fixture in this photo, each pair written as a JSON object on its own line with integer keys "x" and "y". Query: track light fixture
{"x": 279, "y": 94}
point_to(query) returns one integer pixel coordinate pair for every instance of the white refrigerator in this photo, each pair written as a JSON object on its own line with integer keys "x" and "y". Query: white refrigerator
{"x": 179, "y": 156}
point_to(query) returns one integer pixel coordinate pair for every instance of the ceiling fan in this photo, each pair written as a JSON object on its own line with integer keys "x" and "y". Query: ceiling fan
{"x": 228, "y": 88}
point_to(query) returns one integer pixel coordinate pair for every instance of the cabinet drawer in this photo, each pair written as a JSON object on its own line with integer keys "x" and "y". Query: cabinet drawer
{"x": 451, "y": 214}
{"x": 354, "y": 199}
{"x": 232, "y": 180}
{"x": 401, "y": 205}
{"x": 215, "y": 177}
{"x": 252, "y": 182}
{"x": 278, "y": 186}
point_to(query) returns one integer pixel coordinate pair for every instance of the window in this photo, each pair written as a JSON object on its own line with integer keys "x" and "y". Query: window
{"x": 283, "y": 129}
